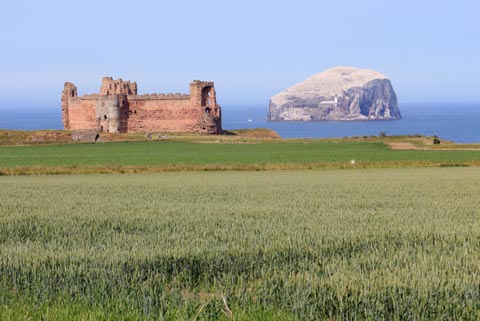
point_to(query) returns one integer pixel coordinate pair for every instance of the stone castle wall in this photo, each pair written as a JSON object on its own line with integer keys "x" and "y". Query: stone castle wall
{"x": 118, "y": 108}
{"x": 145, "y": 115}
{"x": 81, "y": 114}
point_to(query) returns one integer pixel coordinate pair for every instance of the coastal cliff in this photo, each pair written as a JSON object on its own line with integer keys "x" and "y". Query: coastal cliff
{"x": 341, "y": 93}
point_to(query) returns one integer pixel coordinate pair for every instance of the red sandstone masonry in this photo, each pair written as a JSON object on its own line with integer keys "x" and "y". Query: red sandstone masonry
{"x": 83, "y": 115}
{"x": 118, "y": 108}
{"x": 145, "y": 115}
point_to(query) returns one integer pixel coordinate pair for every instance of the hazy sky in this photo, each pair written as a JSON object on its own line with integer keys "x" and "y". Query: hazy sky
{"x": 251, "y": 49}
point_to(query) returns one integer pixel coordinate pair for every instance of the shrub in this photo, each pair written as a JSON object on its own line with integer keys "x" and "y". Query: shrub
{"x": 436, "y": 141}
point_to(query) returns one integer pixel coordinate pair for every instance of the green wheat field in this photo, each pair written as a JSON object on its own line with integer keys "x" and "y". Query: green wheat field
{"x": 152, "y": 156}
{"x": 353, "y": 244}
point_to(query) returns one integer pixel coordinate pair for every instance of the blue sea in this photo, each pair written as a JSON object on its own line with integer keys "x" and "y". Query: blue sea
{"x": 459, "y": 122}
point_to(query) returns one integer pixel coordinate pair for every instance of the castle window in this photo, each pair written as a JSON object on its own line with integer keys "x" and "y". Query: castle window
{"x": 73, "y": 94}
{"x": 135, "y": 112}
{"x": 104, "y": 116}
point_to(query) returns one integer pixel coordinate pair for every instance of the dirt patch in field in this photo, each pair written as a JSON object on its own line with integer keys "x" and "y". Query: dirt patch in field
{"x": 403, "y": 146}
{"x": 410, "y": 146}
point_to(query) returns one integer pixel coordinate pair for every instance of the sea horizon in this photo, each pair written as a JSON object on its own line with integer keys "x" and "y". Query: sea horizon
{"x": 453, "y": 121}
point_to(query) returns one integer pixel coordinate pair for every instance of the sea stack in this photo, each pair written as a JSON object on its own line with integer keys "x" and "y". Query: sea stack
{"x": 340, "y": 93}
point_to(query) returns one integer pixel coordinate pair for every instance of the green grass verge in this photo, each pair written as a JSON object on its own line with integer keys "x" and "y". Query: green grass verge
{"x": 285, "y": 245}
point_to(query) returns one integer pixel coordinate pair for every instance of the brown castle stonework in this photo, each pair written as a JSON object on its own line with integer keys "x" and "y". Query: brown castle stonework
{"x": 119, "y": 109}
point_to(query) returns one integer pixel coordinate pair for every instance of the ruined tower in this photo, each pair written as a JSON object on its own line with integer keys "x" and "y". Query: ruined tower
{"x": 69, "y": 91}
{"x": 203, "y": 96}
{"x": 112, "y": 104}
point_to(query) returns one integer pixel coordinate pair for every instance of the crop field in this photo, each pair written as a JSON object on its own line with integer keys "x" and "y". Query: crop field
{"x": 180, "y": 155}
{"x": 368, "y": 244}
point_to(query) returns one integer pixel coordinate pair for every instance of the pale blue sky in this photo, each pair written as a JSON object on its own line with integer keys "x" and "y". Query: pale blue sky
{"x": 251, "y": 49}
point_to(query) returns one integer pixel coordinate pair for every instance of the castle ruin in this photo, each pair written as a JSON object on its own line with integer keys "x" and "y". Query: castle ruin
{"x": 119, "y": 109}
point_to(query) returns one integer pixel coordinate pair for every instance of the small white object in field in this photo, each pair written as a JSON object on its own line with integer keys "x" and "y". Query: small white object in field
{"x": 352, "y": 162}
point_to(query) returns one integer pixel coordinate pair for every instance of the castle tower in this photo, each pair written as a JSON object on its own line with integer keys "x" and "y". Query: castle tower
{"x": 111, "y": 102}
{"x": 112, "y": 86}
{"x": 107, "y": 111}
{"x": 203, "y": 96}
{"x": 69, "y": 92}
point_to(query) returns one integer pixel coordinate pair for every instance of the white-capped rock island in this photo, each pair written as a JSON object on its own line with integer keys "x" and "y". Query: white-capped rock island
{"x": 340, "y": 93}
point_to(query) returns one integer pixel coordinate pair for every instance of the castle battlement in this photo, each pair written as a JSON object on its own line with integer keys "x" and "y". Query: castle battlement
{"x": 168, "y": 96}
{"x": 119, "y": 108}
